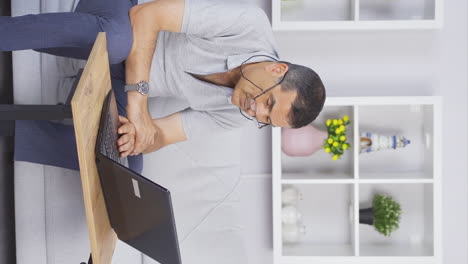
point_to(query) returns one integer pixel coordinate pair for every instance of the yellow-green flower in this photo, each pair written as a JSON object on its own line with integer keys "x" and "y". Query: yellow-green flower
{"x": 336, "y": 143}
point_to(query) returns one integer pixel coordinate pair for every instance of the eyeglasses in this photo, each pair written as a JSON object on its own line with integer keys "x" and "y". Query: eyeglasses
{"x": 259, "y": 124}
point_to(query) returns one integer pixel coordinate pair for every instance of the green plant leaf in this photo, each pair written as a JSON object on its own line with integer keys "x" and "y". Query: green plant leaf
{"x": 387, "y": 214}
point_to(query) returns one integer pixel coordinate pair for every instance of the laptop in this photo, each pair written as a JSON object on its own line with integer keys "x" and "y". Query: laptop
{"x": 140, "y": 211}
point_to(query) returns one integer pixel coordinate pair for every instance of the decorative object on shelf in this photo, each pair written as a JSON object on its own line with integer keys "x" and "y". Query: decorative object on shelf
{"x": 293, "y": 233}
{"x": 305, "y": 141}
{"x": 290, "y": 196}
{"x": 302, "y": 141}
{"x": 384, "y": 214}
{"x": 336, "y": 143}
{"x": 290, "y": 215}
{"x": 371, "y": 142}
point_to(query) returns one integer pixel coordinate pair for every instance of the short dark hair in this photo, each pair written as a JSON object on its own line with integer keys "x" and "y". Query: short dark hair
{"x": 310, "y": 94}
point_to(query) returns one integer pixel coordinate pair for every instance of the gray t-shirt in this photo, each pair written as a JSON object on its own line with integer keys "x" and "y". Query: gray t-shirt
{"x": 216, "y": 36}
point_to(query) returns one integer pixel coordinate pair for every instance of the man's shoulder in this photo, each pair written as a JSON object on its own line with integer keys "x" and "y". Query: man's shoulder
{"x": 254, "y": 12}
{"x": 257, "y": 18}
{"x": 245, "y": 9}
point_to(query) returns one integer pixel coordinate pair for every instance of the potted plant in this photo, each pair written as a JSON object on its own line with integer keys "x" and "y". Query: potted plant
{"x": 384, "y": 214}
{"x": 336, "y": 142}
{"x": 305, "y": 141}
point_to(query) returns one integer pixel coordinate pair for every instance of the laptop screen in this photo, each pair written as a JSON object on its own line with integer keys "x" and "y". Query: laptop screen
{"x": 140, "y": 211}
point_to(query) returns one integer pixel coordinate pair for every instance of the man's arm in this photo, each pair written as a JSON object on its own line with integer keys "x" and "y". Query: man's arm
{"x": 169, "y": 131}
{"x": 147, "y": 21}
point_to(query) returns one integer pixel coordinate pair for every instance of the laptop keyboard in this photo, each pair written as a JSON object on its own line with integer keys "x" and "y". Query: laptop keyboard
{"x": 108, "y": 139}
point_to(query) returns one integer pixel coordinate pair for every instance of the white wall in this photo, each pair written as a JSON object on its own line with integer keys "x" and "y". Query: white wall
{"x": 361, "y": 63}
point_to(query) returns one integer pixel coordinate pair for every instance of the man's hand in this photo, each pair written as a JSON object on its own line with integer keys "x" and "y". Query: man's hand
{"x": 168, "y": 129}
{"x": 137, "y": 112}
{"x": 126, "y": 141}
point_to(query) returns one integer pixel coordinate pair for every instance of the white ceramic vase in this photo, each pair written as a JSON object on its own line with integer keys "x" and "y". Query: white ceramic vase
{"x": 291, "y": 196}
{"x": 293, "y": 233}
{"x": 290, "y": 215}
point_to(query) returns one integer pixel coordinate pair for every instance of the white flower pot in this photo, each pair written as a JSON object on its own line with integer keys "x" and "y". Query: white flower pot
{"x": 291, "y": 196}
{"x": 290, "y": 215}
{"x": 293, "y": 233}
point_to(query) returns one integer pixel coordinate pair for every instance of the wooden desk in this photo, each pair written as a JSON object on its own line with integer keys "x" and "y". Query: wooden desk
{"x": 86, "y": 105}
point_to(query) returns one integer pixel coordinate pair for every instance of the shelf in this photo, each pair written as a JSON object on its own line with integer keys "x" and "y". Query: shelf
{"x": 316, "y": 181}
{"x": 320, "y": 164}
{"x": 395, "y": 176}
{"x": 321, "y": 10}
{"x": 397, "y": 9}
{"x": 320, "y": 209}
{"x": 295, "y": 15}
{"x": 316, "y": 176}
{"x": 414, "y": 122}
{"x": 415, "y": 234}
{"x": 383, "y": 250}
{"x": 396, "y": 180}
{"x": 319, "y": 250}
{"x": 334, "y": 191}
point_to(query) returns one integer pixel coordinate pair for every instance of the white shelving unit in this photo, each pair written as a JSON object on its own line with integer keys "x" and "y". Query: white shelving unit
{"x": 356, "y": 14}
{"x": 335, "y": 191}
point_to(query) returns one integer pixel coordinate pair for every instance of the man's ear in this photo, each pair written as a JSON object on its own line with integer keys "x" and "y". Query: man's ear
{"x": 278, "y": 69}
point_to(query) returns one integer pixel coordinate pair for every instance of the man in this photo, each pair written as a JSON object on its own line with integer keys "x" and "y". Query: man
{"x": 218, "y": 56}
{"x": 219, "y": 30}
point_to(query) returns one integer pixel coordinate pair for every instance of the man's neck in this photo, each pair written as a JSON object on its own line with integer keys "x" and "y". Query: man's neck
{"x": 228, "y": 79}
{"x": 234, "y": 76}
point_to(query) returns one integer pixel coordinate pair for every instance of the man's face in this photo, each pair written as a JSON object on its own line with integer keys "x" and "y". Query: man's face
{"x": 274, "y": 106}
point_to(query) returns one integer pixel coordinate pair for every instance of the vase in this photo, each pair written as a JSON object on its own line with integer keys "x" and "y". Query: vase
{"x": 304, "y": 141}
{"x": 366, "y": 216}
{"x": 290, "y": 196}
{"x": 290, "y": 215}
{"x": 371, "y": 142}
{"x": 293, "y": 233}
